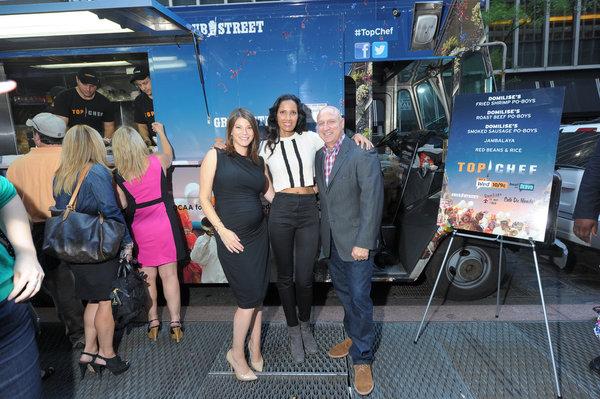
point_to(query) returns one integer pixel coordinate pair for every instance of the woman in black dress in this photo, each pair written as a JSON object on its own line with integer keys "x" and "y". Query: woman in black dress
{"x": 237, "y": 177}
{"x": 83, "y": 151}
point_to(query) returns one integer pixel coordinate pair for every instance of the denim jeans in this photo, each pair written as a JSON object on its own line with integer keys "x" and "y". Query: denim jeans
{"x": 352, "y": 284}
{"x": 59, "y": 283}
{"x": 19, "y": 368}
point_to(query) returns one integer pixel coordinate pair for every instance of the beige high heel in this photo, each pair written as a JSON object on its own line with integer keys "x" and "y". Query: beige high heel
{"x": 257, "y": 366}
{"x": 176, "y": 331}
{"x": 153, "y": 330}
{"x": 249, "y": 376}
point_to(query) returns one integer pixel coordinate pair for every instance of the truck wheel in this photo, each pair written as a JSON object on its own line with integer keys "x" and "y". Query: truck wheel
{"x": 470, "y": 272}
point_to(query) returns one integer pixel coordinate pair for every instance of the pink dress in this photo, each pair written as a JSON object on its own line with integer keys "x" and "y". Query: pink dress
{"x": 151, "y": 214}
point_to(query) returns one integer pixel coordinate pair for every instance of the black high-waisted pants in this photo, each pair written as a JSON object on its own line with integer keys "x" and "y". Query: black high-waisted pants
{"x": 294, "y": 236}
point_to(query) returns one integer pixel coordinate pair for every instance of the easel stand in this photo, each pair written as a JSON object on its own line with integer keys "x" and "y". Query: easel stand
{"x": 501, "y": 241}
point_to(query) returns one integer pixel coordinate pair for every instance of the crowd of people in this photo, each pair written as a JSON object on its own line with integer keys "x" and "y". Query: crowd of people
{"x": 69, "y": 168}
{"x": 324, "y": 189}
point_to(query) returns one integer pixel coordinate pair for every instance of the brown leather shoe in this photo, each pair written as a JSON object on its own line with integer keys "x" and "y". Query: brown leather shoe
{"x": 363, "y": 379}
{"x": 341, "y": 349}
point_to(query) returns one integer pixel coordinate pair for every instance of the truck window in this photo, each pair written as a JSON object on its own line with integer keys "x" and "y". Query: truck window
{"x": 448, "y": 80}
{"x": 474, "y": 78}
{"x": 575, "y": 148}
{"x": 430, "y": 108}
{"x": 407, "y": 119}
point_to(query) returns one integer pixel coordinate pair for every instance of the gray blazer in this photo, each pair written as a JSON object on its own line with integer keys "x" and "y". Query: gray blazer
{"x": 352, "y": 203}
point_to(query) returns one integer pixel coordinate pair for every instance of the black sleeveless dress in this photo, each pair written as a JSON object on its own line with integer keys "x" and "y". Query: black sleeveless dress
{"x": 237, "y": 186}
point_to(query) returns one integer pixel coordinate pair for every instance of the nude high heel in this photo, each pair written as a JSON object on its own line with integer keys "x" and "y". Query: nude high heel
{"x": 257, "y": 366}
{"x": 249, "y": 376}
{"x": 176, "y": 331}
{"x": 153, "y": 330}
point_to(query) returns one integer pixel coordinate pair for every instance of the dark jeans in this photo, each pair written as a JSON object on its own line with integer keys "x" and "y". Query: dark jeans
{"x": 294, "y": 236}
{"x": 59, "y": 283}
{"x": 19, "y": 368}
{"x": 352, "y": 283}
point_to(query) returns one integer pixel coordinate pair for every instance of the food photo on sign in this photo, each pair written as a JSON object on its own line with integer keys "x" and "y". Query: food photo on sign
{"x": 500, "y": 162}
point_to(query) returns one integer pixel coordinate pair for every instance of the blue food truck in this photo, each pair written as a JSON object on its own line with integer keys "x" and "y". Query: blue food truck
{"x": 393, "y": 67}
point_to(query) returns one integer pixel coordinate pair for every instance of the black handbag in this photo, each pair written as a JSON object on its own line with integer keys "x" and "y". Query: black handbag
{"x": 76, "y": 237}
{"x": 129, "y": 295}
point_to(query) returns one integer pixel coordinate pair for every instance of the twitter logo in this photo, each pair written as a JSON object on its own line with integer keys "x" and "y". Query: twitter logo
{"x": 379, "y": 49}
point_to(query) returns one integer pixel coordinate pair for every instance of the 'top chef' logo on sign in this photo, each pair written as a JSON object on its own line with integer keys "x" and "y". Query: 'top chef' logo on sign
{"x": 500, "y": 168}
{"x": 214, "y": 28}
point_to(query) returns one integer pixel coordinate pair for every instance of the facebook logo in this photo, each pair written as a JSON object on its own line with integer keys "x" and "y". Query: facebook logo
{"x": 361, "y": 50}
{"x": 379, "y": 50}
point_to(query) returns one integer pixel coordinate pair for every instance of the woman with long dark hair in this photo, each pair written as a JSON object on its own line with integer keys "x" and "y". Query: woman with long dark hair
{"x": 237, "y": 177}
{"x": 289, "y": 152}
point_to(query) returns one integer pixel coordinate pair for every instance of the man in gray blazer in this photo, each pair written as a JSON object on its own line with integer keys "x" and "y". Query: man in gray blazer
{"x": 351, "y": 197}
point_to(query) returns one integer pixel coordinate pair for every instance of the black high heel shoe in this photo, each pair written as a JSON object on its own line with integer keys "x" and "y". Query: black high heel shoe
{"x": 84, "y": 366}
{"x": 115, "y": 364}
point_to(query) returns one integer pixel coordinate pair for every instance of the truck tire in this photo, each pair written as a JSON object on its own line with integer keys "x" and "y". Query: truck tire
{"x": 470, "y": 272}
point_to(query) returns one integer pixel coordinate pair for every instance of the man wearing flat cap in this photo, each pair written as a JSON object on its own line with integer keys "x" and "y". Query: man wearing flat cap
{"x": 82, "y": 105}
{"x": 32, "y": 175}
{"x": 143, "y": 107}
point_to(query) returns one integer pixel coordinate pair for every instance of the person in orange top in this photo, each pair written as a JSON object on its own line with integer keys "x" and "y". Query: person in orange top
{"x": 32, "y": 175}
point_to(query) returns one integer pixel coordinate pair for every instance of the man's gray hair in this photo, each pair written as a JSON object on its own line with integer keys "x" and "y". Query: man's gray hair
{"x": 331, "y": 108}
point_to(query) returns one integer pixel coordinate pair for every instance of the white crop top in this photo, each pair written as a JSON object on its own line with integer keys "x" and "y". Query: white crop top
{"x": 292, "y": 163}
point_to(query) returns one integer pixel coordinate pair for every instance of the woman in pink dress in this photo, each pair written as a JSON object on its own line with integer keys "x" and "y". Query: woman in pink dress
{"x": 150, "y": 211}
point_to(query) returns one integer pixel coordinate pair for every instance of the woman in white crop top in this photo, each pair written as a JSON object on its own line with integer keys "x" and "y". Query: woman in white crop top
{"x": 289, "y": 152}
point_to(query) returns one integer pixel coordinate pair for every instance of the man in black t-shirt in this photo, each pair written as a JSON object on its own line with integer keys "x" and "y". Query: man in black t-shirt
{"x": 83, "y": 105}
{"x": 143, "y": 106}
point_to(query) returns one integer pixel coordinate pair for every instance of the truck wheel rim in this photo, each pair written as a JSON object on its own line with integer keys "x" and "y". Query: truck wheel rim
{"x": 468, "y": 267}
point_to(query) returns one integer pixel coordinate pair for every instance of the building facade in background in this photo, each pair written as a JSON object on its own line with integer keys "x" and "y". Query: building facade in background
{"x": 563, "y": 49}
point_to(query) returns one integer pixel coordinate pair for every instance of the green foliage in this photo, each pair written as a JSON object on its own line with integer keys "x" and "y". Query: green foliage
{"x": 499, "y": 11}
{"x": 529, "y": 12}
{"x": 496, "y": 58}
{"x": 589, "y": 4}
{"x": 532, "y": 11}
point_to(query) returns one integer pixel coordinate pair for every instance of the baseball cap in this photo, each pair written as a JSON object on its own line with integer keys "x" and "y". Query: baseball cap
{"x": 7, "y": 85}
{"x": 139, "y": 73}
{"x": 88, "y": 76}
{"x": 48, "y": 124}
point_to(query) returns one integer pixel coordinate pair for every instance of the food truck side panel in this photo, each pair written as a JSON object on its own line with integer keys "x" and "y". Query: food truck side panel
{"x": 249, "y": 59}
{"x": 178, "y": 102}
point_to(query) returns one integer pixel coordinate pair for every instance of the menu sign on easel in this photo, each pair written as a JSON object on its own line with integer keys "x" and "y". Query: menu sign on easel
{"x": 500, "y": 162}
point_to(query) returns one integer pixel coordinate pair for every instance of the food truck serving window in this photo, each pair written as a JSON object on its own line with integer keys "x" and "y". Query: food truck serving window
{"x": 113, "y": 38}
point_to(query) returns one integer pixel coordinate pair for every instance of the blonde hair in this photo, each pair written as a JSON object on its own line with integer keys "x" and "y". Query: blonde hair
{"x": 130, "y": 153}
{"x": 82, "y": 145}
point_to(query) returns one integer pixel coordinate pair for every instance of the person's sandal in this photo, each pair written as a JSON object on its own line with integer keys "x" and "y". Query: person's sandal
{"x": 84, "y": 366}
{"x": 176, "y": 331}
{"x": 153, "y": 330}
{"x": 115, "y": 364}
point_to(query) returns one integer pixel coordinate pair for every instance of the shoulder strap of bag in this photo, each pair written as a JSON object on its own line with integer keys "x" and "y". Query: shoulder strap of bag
{"x": 73, "y": 201}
